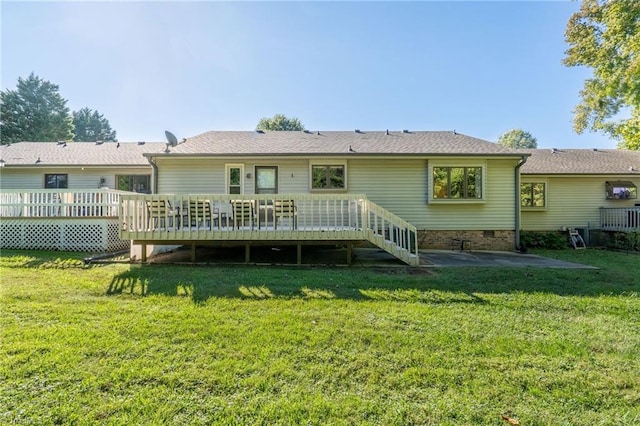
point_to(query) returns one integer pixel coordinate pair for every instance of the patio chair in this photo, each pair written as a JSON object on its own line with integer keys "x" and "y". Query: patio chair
{"x": 200, "y": 213}
{"x": 244, "y": 213}
{"x": 285, "y": 209}
{"x": 162, "y": 214}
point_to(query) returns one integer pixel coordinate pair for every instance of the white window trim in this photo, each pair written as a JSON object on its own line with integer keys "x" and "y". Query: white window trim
{"x": 454, "y": 163}
{"x": 546, "y": 195}
{"x": 227, "y": 167}
{"x": 328, "y": 162}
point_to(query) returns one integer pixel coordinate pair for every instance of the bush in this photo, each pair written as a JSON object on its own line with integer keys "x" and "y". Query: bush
{"x": 625, "y": 240}
{"x": 544, "y": 240}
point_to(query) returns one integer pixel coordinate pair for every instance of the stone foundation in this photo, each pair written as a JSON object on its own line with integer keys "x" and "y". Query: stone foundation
{"x": 474, "y": 240}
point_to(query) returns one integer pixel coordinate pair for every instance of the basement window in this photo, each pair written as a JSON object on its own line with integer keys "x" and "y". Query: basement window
{"x": 621, "y": 190}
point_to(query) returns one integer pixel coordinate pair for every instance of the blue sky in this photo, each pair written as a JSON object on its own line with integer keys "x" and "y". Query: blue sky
{"x": 480, "y": 68}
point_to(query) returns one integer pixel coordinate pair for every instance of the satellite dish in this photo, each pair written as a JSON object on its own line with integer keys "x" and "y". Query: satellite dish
{"x": 173, "y": 141}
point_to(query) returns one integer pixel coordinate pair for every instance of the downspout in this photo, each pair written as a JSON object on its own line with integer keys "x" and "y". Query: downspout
{"x": 154, "y": 166}
{"x": 517, "y": 200}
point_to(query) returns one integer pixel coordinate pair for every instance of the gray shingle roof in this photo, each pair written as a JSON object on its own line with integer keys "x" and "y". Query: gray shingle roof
{"x": 77, "y": 153}
{"x": 336, "y": 143}
{"x": 582, "y": 161}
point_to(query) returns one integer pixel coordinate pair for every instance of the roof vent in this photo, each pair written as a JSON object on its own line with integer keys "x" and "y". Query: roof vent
{"x": 632, "y": 169}
{"x": 260, "y": 131}
{"x": 141, "y": 143}
{"x": 38, "y": 161}
{"x": 351, "y": 149}
{"x": 306, "y": 131}
{"x": 454, "y": 132}
{"x": 387, "y": 133}
{"x": 554, "y": 150}
{"x": 318, "y": 133}
{"x": 99, "y": 142}
{"x": 358, "y": 131}
{"x": 405, "y": 131}
{"x": 62, "y": 142}
{"x": 595, "y": 149}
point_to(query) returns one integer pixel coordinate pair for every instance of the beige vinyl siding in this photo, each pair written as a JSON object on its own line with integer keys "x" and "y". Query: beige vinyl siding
{"x": 206, "y": 176}
{"x": 89, "y": 178}
{"x": 399, "y": 185}
{"x": 572, "y": 201}
{"x": 402, "y": 186}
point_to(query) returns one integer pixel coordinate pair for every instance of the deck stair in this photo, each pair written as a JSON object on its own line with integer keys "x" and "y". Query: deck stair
{"x": 392, "y": 234}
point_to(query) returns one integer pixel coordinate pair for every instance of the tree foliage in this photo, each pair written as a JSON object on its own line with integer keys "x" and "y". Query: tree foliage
{"x": 91, "y": 126}
{"x": 34, "y": 111}
{"x": 279, "y": 122}
{"x": 604, "y": 35}
{"x": 517, "y": 138}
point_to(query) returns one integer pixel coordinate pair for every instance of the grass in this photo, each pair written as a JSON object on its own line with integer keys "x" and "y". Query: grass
{"x": 177, "y": 344}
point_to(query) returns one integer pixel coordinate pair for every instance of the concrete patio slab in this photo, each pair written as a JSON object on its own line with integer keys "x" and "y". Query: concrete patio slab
{"x": 446, "y": 258}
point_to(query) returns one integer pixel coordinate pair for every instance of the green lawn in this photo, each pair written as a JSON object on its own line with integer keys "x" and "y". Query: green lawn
{"x": 167, "y": 344}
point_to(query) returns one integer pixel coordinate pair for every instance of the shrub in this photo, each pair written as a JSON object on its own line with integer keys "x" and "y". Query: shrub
{"x": 544, "y": 240}
{"x": 625, "y": 240}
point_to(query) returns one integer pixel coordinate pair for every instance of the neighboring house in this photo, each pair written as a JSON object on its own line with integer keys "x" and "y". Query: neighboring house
{"x": 64, "y": 196}
{"x": 448, "y": 185}
{"x": 76, "y": 165}
{"x": 580, "y": 188}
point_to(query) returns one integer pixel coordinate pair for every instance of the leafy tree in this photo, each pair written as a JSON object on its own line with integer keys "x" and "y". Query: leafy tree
{"x": 279, "y": 122}
{"x": 35, "y": 112}
{"x": 91, "y": 126}
{"x": 517, "y": 138}
{"x": 604, "y": 35}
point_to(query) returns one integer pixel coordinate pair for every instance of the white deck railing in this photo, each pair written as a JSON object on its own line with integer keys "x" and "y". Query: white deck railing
{"x": 622, "y": 219}
{"x": 48, "y": 203}
{"x": 280, "y": 217}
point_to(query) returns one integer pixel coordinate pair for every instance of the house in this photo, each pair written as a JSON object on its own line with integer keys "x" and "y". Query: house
{"x": 580, "y": 188}
{"x": 76, "y": 165}
{"x": 64, "y": 196}
{"x": 428, "y": 187}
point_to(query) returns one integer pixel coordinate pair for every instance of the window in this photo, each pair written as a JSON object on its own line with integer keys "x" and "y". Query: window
{"x": 233, "y": 178}
{"x": 266, "y": 180}
{"x": 621, "y": 190}
{"x": 134, "y": 183}
{"x": 533, "y": 194}
{"x": 328, "y": 176}
{"x": 53, "y": 181}
{"x": 457, "y": 183}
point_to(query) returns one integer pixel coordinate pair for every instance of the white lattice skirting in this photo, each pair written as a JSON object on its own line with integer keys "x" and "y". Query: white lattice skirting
{"x": 74, "y": 234}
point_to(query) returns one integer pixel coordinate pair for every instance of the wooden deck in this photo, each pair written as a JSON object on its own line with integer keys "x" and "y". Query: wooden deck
{"x": 208, "y": 219}
{"x": 624, "y": 219}
{"x": 59, "y": 219}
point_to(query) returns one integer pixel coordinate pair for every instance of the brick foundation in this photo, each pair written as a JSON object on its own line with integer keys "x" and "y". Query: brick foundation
{"x": 474, "y": 240}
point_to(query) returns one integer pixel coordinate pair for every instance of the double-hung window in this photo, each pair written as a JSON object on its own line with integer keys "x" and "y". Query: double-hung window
{"x": 533, "y": 194}
{"x": 234, "y": 174}
{"x": 457, "y": 183}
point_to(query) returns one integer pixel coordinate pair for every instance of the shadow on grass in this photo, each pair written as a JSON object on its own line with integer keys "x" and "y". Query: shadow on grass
{"x": 458, "y": 285}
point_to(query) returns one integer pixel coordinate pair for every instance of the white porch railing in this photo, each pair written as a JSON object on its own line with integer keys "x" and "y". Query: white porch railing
{"x": 187, "y": 218}
{"x": 622, "y": 219}
{"x": 48, "y": 203}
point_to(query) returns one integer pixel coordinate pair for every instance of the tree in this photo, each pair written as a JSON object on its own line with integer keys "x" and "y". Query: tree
{"x": 604, "y": 35}
{"x": 35, "y": 112}
{"x": 91, "y": 126}
{"x": 517, "y": 139}
{"x": 279, "y": 122}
